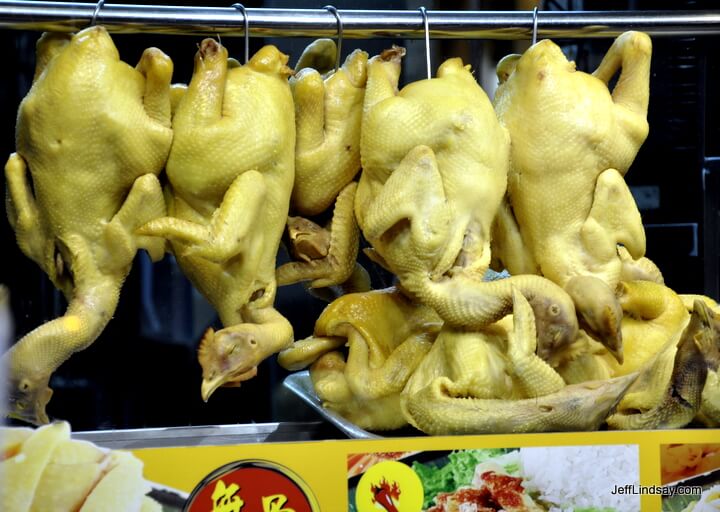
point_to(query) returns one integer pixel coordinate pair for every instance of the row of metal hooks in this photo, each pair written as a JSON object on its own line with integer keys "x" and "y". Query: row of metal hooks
{"x": 246, "y": 31}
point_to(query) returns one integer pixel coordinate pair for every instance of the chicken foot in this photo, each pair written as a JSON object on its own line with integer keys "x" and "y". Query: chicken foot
{"x": 327, "y": 255}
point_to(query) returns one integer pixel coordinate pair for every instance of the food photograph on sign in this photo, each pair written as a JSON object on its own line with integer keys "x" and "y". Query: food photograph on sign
{"x": 691, "y": 474}
{"x": 538, "y": 479}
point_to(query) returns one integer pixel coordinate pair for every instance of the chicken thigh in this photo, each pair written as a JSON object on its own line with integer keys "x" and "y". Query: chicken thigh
{"x": 92, "y": 135}
{"x": 231, "y": 171}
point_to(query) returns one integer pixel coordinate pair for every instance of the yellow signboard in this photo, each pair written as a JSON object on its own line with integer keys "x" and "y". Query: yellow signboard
{"x": 589, "y": 472}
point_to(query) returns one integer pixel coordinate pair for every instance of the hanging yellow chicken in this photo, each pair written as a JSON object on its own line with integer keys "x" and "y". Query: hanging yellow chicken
{"x": 93, "y": 133}
{"x": 573, "y": 140}
{"x": 230, "y": 173}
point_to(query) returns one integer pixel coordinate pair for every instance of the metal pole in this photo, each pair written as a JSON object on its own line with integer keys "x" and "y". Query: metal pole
{"x": 357, "y": 24}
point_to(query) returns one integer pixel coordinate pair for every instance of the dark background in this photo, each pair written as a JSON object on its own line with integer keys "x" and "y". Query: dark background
{"x": 143, "y": 371}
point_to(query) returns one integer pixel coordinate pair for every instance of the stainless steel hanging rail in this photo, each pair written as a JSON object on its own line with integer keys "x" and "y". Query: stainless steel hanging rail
{"x": 357, "y": 24}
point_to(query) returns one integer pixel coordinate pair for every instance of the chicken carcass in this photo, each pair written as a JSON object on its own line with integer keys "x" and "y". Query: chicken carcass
{"x": 93, "y": 133}
{"x": 328, "y": 112}
{"x": 573, "y": 140}
{"x": 231, "y": 171}
{"x": 469, "y": 384}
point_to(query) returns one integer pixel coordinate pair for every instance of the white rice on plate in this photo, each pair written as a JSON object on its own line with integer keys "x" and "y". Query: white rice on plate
{"x": 582, "y": 476}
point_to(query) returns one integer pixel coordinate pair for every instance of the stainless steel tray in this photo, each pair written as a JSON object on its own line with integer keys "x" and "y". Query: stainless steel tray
{"x": 300, "y": 384}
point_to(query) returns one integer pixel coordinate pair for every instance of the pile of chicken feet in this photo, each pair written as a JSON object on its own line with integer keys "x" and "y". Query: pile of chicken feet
{"x": 450, "y": 186}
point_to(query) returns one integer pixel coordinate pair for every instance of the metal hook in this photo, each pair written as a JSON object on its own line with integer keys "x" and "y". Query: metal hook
{"x": 534, "y": 25}
{"x": 96, "y": 12}
{"x": 423, "y": 11}
{"x": 339, "y": 34}
{"x": 246, "y": 30}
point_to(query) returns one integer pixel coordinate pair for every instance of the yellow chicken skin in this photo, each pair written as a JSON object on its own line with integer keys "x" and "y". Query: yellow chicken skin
{"x": 573, "y": 140}
{"x": 387, "y": 337}
{"x": 452, "y": 119}
{"x": 231, "y": 171}
{"x": 670, "y": 395}
{"x": 328, "y": 113}
{"x": 652, "y": 315}
{"x": 92, "y": 135}
{"x": 493, "y": 382}
{"x": 330, "y": 383}
{"x": 434, "y": 172}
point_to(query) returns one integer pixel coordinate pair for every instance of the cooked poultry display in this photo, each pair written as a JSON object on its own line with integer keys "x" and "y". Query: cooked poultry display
{"x": 494, "y": 382}
{"x": 583, "y": 332}
{"x": 230, "y": 173}
{"x": 327, "y": 157}
{"x": 93, "y": 133}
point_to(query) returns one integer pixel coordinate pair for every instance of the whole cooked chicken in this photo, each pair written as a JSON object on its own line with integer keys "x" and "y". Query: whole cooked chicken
{"x": 328, "y": 112}
{"x": 92, "y": 135}
{"x": 387, "y": 337}
{"x": 435, "y": 163}
{"x": 493, "y": 382}
{"x": 231, "y": 171}
{"x": 572, "y": 142}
